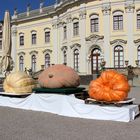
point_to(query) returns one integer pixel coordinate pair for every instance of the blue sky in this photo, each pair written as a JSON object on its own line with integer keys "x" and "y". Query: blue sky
{"x": 20, "y": 5}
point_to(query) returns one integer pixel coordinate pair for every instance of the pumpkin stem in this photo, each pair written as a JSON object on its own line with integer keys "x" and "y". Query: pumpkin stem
{"x": 50, "y": 75}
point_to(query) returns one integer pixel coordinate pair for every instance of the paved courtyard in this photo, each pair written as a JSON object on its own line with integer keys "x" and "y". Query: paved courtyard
{"x": 16, "y": 124}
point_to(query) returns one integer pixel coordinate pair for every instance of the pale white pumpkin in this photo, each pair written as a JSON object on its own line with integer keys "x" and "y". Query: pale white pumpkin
{"x": 19, "y": 83}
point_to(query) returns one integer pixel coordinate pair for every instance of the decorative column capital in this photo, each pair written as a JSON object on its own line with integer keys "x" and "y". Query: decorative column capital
{"x": 55, "y": 25}
{"x": 106, "y": 9}
{"x": 14, "y": 31}
{"x": 129, "y": 7}
{"x": 82, "y": 15}
{"x": 59, "y": 23}
{"x": 55, "y": 22}
{"x": 69, "y": 18}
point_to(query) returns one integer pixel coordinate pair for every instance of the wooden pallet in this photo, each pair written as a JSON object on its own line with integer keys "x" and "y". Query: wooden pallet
{"x": 102, "y": 103}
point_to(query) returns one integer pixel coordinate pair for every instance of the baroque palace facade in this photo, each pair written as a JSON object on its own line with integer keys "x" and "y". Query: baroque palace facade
{"x": 77, "y": 33}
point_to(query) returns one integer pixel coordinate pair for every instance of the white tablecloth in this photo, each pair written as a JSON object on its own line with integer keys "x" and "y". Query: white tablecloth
{"x": 72, "y": 107}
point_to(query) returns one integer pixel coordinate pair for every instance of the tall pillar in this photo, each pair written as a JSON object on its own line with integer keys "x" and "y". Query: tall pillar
{"x": 14, "y": 41}
{"x": 106, "y": 27}
{"x": 55, "y": 41}
{"x": 69, "y": 40}
{"x": 83, "y": 60}
{"x": 60, "y": 39}
{"x": 129, "y": 7}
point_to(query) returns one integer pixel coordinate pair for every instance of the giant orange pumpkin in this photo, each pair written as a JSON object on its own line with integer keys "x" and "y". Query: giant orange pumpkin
{"x": 58, "y": 76}
{"x": 110, "y": 86}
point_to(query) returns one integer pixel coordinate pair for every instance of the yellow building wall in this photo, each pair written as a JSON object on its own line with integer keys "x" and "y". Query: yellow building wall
{"x": 39, "y": 26}
{"x": 40, "y": 45}
{"x": 136, "y": 31}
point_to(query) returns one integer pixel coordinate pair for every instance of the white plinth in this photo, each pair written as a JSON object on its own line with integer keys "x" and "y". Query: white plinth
{"x": 70, "y": 106}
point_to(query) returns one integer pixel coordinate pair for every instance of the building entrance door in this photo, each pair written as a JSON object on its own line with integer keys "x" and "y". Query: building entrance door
{"x": 95, "y": 60}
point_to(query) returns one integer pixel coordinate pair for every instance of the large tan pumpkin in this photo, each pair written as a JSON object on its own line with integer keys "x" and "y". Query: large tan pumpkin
{"x": 110, "y": 86}
{"x": 19, "y": 83}
{"x": 58, "y": 76}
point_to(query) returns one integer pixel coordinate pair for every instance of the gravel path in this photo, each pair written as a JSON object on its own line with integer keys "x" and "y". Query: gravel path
{"x": 16, "y": 124}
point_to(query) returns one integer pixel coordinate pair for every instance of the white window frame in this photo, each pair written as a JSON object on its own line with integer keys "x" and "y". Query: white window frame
{"x": 118, "y": 59}
{"x": 76, "y": 30}
{"x": 76, "y": 55}
{"x": 94, "y": 27}
{"x": 21, "y": 63}
{"x": 47, "y": 60}
{"x": 138, "y": 54}
{"x": 138, "y": 19}
{"x": 65, "y": 31}
{"x": 33, "y": 63}
{"x": 47, "y": 30}
{"x": 1, "y": 44}
{"x": 119, "y": 21}
{"x": 23, "y": 40}
{"x": 33, "y": 42}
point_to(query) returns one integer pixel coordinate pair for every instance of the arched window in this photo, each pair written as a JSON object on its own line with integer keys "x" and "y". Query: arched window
{"x": 0, "y": 44}
{"x": 33, "y": 60}
{"x": 47, "y": 37}
{"x": 21, "y": 63}
{"x": 138, "y": 19}
{"x": 95, "y": 60}
{"x": 118, "y": 57}
{"x": 139, "y": 54}
{"x": 47, "y": 60}
{"x": 76, "y": 60}
{"x": 94, "y": 23}
{"x": 47, "y": 32}
{"x": 118, "y": 20}
{"x": 34, "y": 37}
{"x": 75, "y": 27}
{"x": 21, "y": 39}
{"x": 65, "y": 32}
{"x": 65, "y": 57}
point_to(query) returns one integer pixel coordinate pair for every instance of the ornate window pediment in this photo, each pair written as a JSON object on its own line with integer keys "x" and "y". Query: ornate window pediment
{"x": 47, "y": 51}
{"x": 94, "y": 15}
{"x": 21, "y": 53}
{"x": 33, "y": 52}
{"x": 137, "y": 41}
{"x": 33, "y": 32}
{"x": 64, "y": 48}
{"x": 75, "y": 19}
{"x": 118, "y": 12}
{"x": 94, "y": 37}
{"x": 21, "y": 34}
{"x": 138, "y": 10}
{"x": 118, "y": 41}
{"x": 47, "y": 29}
{"x": 76, "y": 45}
